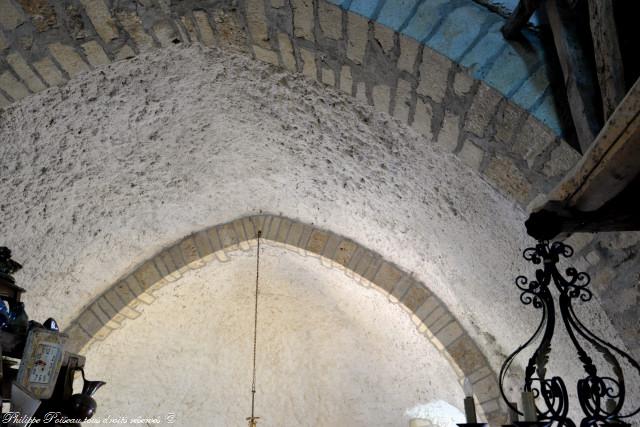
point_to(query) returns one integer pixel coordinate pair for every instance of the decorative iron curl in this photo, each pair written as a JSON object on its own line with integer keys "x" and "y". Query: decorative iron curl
{"x": 601, "y": 398}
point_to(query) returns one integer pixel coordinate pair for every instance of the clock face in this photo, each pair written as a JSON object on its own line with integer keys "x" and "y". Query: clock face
{"x": 45, "y": 359}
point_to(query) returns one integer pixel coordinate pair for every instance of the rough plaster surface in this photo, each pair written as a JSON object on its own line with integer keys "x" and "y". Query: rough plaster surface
{"x": 99, "y": 175}
{"x": 330, "y": 353}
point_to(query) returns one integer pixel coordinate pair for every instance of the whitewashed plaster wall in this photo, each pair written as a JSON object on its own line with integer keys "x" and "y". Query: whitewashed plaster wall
{"x": 330, "y": 353}
{"x": 101, "y": 174}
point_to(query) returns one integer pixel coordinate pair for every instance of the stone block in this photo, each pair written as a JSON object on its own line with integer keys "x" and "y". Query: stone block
{"x": 91, "y": 324}
{"x": 328, "y": 76}
{"x": 508, "y": 178}
{"x": 361, "y": 93}
{"x": 204, "y": 28}
{"x": 481, "y": 373}
{"x": 384, "y": 36}
{"x": 101, "y": 19}
{"x": 563, "y": 158}
{"x": 422, "y": 119}
{"x": 372, "y": 270}
{"x": 165, "y": 33}
{"x": 266, "y": 55}
{"x": 203, "y": 245}
{"x": 125, "y": 52}
{"x": 507, "y": 121}
{"x": 403, "y": 101}
{"x": 229, "y": 29}
{"x": 277, "y": 4}
{"x": 434, "y": 73}
{"x": 286, "y": 52}
{"x": 216, "y": 244}
{"x": 49, "y": 72}
{"x": 295, "y": 232}
{"x": 462, "y": 83}
{"x": 104, "y": 318}
{"x": 250, "y": 230}
{"x": 68, "y": 58}
{"x": 482, "y": 110}
{"x": 344, "y": 252}
{"x": 10, "y": 16}
{"x": 228, "y": 238}
{"x": 449, "y": 333}
{"x": 303, "y": 21}
{"x": 403, "y": 286}
{"x": 471, "y": 155}
{"x": 95, "y": 54}
{"x": 467, "y": 355}
{"x": 133, "y": 26}
{"x": 450, "y": 131}
{"x": 12, "y": 86}
{"x": 436, "y": 314}
{"x": 139, "y": 290}
{"x": 364, "y": 261}
{"x": 308, "y": 63}
{"x": 167, "y": 266}
{"x": 428, "y": 307}
{"x": 317, "y": 241}
{"x": 283, "y": 230}
{"x": 532, "y": 140}
{"x": 128, "y": 308}
{"x": 387, "y": 276}
{"x": 330, "y": 18}
{"x": 4, "y": 102}
{"x": 381, "y": 98}
{"x": 409, "y": 49}
{"x": 148, "y": 275}
{"x": 22, "y": 69}
{"x": 190, "y": 28}
{"x": 4, "y": 43}
{"x": 272, "y": 227}
{"x": 486, "y": 389}
{"x": 108, "y": 309}
{"x": 440, "y": 323}
{"x": 330, "y": 249}
{"x": 257, "y": 22}
{"x": 357, "y": 36}
{"x": 190, "y": 253}
{"x": 346, "y": 80}
{"x": 415, "y": 297}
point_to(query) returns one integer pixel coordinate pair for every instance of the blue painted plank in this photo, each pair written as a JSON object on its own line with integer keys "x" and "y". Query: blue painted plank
{"x": 364, "y": 7}
{"x": 478, "y": 59}
{"x": 426, "y": 19}
{"x": 533, "y": 89}
{"x": 458, "y": 31}
{"x": 512, "y": 68}
{"x": 547, "y": 113}
{"x": 395, "y": 12}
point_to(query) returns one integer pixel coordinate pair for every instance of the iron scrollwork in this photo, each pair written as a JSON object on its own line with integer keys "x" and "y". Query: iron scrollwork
{"x": 601, "y": 398}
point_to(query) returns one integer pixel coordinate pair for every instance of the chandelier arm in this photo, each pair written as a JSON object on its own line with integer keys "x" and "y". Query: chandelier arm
{"x": 604, "y": 347}
{"x": 507, "y": 364}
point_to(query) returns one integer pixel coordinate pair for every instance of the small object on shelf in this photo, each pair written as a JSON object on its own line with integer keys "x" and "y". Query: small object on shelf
{"x": 51, "y": 324}
{"x": 82, "y": 406}
{"x": 41, "y": 362}
{"x": 19, "y": 321}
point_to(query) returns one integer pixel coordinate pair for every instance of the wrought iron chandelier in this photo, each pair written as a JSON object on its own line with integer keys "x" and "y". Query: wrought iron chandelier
{"x": 545, "y": 399}
{"x": 253, "y": 420}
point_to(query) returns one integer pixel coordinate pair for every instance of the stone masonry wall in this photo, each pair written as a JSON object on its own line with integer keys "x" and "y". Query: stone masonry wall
{"x": 44, "y": 43}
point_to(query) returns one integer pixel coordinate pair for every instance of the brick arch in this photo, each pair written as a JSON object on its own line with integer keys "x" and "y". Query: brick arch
{"x": 486, "y": 100}
{"x": 122, "y": 301}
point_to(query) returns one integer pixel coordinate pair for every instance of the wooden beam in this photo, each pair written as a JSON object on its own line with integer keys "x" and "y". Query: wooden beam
{"x": 519, "y": 18}
{"x": 579, "y": 79}
{"x": 600, "y": 193}
{"x": 608, "y": 58}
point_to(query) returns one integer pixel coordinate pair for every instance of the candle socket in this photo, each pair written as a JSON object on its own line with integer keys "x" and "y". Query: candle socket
{"x": 529, "y": 407}
{"x": 470, "y": 410}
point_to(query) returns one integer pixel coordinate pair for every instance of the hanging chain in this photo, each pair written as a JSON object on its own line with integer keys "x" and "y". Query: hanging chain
{"x": 252, "y": 420}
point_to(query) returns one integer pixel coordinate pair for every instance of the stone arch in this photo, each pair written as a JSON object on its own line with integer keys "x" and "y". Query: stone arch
{"x": 120, "y": 302}
{"x": 487, "y": 100}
